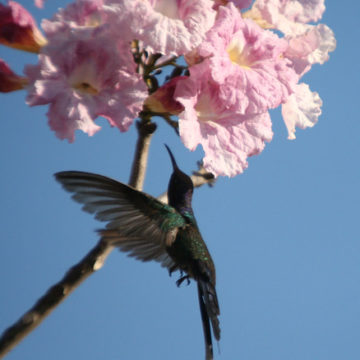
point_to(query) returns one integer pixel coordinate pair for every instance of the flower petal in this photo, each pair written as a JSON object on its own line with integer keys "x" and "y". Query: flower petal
{"x": 166, "y": 26}
{"x": 302, "y": 109}
{"x": 227, "y": 136}
{"x": 247, "y": 61}
{"x": 311, "y": 47}
{"x": 288, "y": 15}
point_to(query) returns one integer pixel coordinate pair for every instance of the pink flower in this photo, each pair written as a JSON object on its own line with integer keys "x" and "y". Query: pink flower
{"x": 227, "y": 136}
{"x": 247, "y": 62}
{"x": 288, "y": 15}
{"x": 18, "y": 28}
{"x": 302, "y": 109}
{"x": 166, "y": 26}
{"x": 82, "y": 14}
{"x": 312, "y": 46}
{"x": 83, "y": 78}
{"x": 9, "y": 81}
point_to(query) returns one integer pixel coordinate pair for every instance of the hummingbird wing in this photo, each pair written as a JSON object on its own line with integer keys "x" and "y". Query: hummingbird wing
{"x": 137, "y": 223}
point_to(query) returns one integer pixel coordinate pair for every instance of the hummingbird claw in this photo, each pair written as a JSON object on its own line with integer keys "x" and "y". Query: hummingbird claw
{"x": 181, "y": 280}
{"x": 172, "y": 269}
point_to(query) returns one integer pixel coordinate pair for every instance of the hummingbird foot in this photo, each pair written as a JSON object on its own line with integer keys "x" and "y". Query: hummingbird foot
{"x": 181, "y": 280}
{"x": 172, "y": 269}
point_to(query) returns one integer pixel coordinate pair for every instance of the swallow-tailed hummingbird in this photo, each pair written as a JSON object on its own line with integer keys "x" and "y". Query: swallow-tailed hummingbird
{"x": 148, "y": 229}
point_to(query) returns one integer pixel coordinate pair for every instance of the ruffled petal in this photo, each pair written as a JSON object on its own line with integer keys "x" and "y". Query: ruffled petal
{"x": 227, "y": 136}
{"x": 302, "y": 109}
{"x": 166, "y": 26}
{"x": 311, "y": 47}
{"x": 247, "y": 61}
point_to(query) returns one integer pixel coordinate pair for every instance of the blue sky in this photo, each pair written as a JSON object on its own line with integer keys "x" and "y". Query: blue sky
{"x": 284, "y": 235}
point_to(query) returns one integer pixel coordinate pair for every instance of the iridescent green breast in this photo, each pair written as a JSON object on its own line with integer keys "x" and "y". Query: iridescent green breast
{"x": 189, "y": 250}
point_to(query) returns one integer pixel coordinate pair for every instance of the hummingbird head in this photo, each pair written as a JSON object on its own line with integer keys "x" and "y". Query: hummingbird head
{"x": 180, "y": 188}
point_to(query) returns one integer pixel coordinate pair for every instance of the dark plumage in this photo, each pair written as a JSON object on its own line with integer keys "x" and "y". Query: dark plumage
{"x": 147, "y": 229}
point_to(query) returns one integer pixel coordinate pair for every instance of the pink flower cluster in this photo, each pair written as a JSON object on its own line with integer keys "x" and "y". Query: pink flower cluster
{"x": 238, "y": 68}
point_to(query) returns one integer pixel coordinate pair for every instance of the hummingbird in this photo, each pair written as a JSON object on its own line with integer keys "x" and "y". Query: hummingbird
{"x": 148, "y": 229}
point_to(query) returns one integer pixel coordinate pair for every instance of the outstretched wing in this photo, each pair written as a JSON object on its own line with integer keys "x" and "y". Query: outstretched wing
{"x": 137, "y": 223}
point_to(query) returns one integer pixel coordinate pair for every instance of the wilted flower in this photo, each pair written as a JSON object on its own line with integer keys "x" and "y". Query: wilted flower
{"x": 18, "y": 28}
{"x": 162, "y": 100}
{"x": 9, "y": 81}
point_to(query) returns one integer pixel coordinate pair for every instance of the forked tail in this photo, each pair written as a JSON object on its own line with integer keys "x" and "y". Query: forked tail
{"x": 209, "y": 309}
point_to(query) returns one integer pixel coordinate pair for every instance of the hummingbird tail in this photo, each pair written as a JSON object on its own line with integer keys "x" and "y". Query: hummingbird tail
{"x": 209, "y": 309}
{"x": 206, "y": 326}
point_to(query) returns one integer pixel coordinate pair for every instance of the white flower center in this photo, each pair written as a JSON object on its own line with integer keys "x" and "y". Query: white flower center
{"x": 84, "y": 80}
{"x": 208, "y": 110}
{"x": 204, "y": 109}
{"x": 237, "y": 52}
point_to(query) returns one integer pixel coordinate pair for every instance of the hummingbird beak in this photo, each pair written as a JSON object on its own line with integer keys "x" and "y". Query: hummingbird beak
{"x": 172, "y": 158}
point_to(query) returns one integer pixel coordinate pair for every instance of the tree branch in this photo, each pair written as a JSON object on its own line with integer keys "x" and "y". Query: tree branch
{"x": 145, "y": 129}
{"x": 93, "y": 261}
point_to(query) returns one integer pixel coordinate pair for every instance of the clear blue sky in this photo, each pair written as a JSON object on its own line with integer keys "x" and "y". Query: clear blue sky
{"x": 284, "y": 235}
